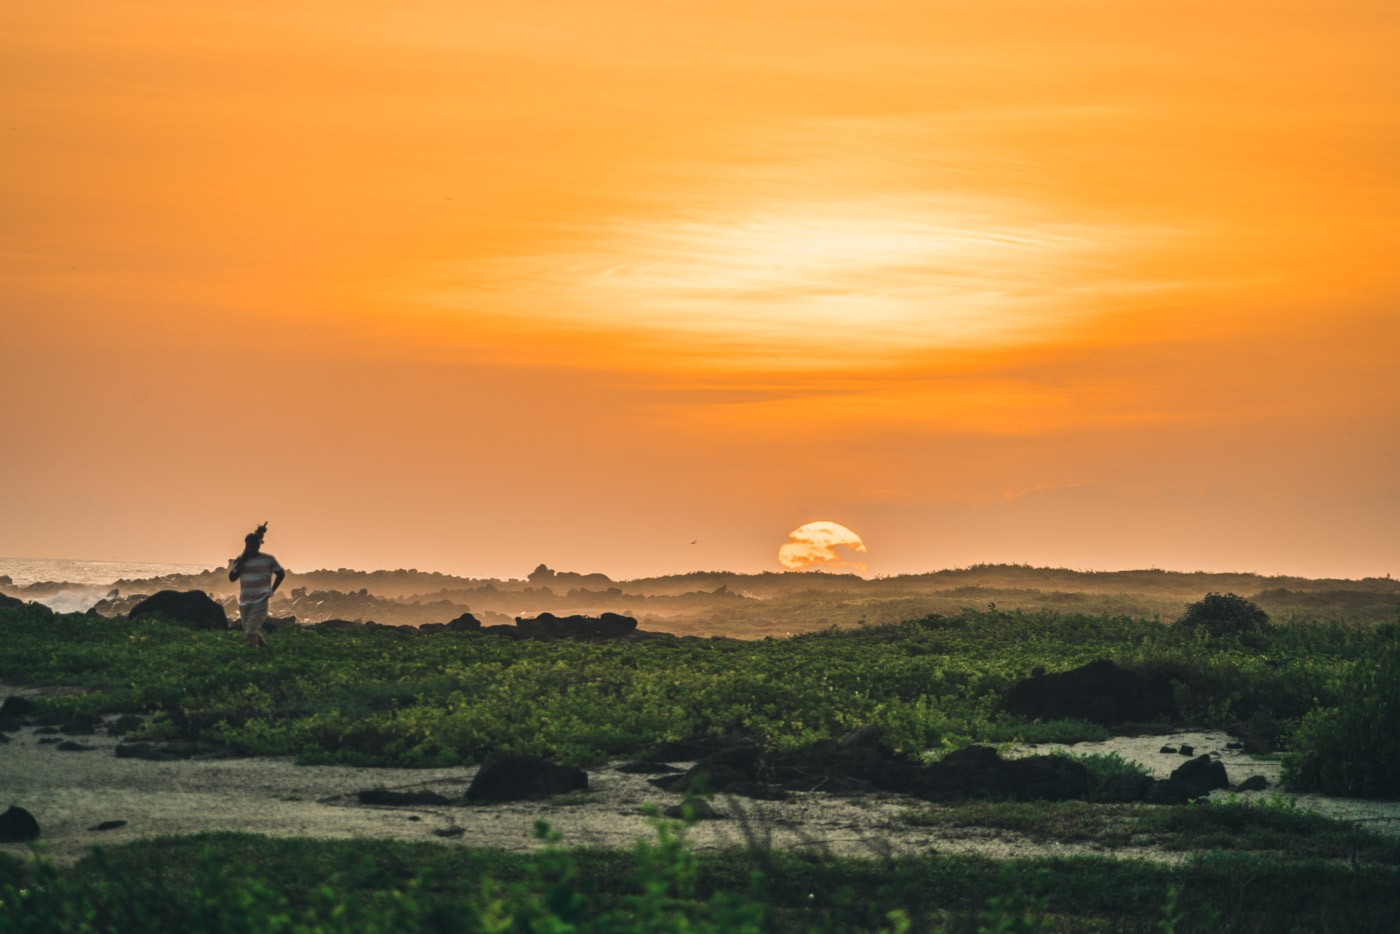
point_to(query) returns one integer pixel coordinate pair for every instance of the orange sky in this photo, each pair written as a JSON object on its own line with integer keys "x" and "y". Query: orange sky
{"x": 472, "y": 286}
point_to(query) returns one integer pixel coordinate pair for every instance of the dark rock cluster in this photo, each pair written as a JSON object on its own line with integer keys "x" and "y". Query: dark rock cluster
{"x": 862, "y": 763}
{"x": 522, "y": 778}
{"x": 1100, "y": 692}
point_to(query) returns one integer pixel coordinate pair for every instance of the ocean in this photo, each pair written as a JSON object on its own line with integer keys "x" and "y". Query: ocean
{"x": 90, "y": 580}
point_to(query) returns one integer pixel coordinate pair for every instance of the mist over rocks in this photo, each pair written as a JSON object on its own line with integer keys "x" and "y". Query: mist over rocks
{"x": 722, "y": 603}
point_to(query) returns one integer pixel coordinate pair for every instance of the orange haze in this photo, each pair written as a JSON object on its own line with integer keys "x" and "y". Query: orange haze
{"x": 473, "y": 286}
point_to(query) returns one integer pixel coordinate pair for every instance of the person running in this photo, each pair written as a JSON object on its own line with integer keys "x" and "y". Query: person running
{"x": 259, "y": 575}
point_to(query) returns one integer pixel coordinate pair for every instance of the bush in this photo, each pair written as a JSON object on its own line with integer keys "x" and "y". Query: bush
{"x": 1354, "y": 748}
{"x": 1225, "y": 615}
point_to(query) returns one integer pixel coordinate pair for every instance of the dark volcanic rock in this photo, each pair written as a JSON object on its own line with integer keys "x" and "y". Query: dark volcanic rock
{"x": 382, "y": 796}
{"x": 646, "y": 768}
{"x": 1253, "y": 783}
{"x": 194, "y": 608}
{"x": 82, "y": 726}
{"x": 1124, "y": 787}
{"x": 1201, "y": 774}
{"x": 1049, "y": 778}
{"x": 108, "y": 825}
{"x": 17, "y": 707}
{"x": 123, "y": 725}
{"x": 547, "y": 626}
{"x": 1100, "y": 692}
{"x": 338, "y": 624}
{"x": 522, "y": 778}
{"x": 695, "y": 747}
{"x": 14, "y": 603}
{"x": 1187, "y": 750}
{"x": 1170, "y": 791}
{"x": 449, "y": 831}
{"x": 155, "y": 753}
{"x": 972, "y": 772}
{"x": 464, "y": 623}
{"x": 18, "y": 826}
{"x": 70, "y": 746}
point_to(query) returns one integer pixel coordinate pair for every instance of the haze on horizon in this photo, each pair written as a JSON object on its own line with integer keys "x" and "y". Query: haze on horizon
{"x": 639, "y": 288}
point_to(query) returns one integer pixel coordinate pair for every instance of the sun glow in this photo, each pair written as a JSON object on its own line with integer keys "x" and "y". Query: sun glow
{"x": 812, "y": 283}
{"x": 814, "y": 545}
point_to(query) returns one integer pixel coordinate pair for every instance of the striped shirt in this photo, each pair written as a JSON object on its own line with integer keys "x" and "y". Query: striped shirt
{"x": 256, "y": 578}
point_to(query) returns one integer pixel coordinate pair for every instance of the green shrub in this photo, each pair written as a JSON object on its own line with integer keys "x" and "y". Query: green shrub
{"x": 1106, "y": 769}
{"x": 1225, "y": 615}
{"x": 1354, "y": 747}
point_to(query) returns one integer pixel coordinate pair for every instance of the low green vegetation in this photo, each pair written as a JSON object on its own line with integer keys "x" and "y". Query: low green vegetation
{"x": 1353, "y": 748}
{"x": 394, "y": 698}
{"x": 1274, "y": 827}
{"x": 233, "y": 882}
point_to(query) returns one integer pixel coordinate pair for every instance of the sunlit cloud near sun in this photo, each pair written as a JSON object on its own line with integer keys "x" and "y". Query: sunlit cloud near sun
{"x": 811, "y": 283}
{"x": 823, "y": 546}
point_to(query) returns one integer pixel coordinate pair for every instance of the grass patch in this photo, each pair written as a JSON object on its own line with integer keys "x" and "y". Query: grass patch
{"x": 1233, "y": 827}
{"x": 242, "y": 882}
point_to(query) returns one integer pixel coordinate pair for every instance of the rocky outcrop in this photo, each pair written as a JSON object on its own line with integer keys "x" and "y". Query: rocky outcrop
{"x": 547, "y": 626}
{"x": 18, "y": 826}
{"x": 1201, "y": 775}
{"x": 524, "y": 778}
{"x": 1100, "y": 692}
{"x": 194, "y": 608}
{"x": 862, "y": 763}
{"x": 14, "y": 603}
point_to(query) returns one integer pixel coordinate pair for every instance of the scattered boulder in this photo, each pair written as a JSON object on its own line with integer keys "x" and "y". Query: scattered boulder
{"x": 522, "y": 778}
{"x": 123, "y": 725}
{"x": 1187, "y": 750}
{"x": 1100, "y": 692}
{"x": 381, "y": 796}
{"x": 646, "y": 768}
{"x": 70, "y": 746}
{"x": 18, "y": 826}
{"x": 1168, "y": 750}
{"x": 151, "y": 752}
{"x": 80, "y": 726}
{"x": 449, "y": 831}
{"x": 1201, "y": 774}
{"x": 8, "y": 602}
{"x": 108, "y": 825}
{"x": 1124, "y": 787}
{"x": 194, "y": 608}
{"x": 1170, "y": 791}
{"x": 464, "y": 623}
{"x": 548, "y": 627}
{"x": 1253, "y": 783}
{"x": 338, "y": 624}
{"x": 17, "y": 707}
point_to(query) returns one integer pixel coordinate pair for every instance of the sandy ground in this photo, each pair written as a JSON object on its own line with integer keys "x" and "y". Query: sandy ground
{"x": 71, "y": 792}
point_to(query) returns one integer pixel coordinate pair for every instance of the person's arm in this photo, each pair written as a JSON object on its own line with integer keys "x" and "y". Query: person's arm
{"x": 235, "y": 569}
{"x": 277, "y": 581}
